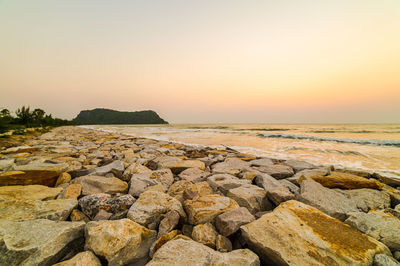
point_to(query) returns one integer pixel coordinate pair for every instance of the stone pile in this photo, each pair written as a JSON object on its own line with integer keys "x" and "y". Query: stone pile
{"x": 76, "y": 196}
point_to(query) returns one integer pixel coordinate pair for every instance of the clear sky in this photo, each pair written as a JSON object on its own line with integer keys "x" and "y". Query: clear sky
{"x": 205, "y": 61}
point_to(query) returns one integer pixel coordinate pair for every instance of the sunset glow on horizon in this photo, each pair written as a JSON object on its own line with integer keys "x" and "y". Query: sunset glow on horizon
{"x": 205, "y": 61}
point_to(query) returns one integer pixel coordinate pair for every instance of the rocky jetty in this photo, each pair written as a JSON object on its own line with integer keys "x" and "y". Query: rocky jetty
{"x": 76, "y": 196}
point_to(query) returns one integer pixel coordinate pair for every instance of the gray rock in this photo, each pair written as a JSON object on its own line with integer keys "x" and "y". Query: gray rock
{"x": 299, "y": 165}
{"x": 38, "y": 242}
{"x": 374, "y": 199}
{"x": 267, "y": 182}
{"x": 117, "y": 168}
{"x": 194, "y": 175}
{"x": 379, "y": 225}
{"x": 225, "y": 182}
{"x": 92, "y": 184}
{"x": 308, "y": 173}
{"x": 56, "y": 210}
{"x": 168, "y": 223}
{"x": 139, "y": 182}
{"x": 223, "y": 244}
{"x": 229, "y": 222}
{"x": 91, "y": 205}
{"x": 279, "y": 171}
{"x": 384, "y": 260}
{"x": 292, "y": 187}
{"x": 333, "y": 203}
{"x": 261, "y": 162}
{"x": 251, "y": 197}
{"x": 232, "y": 166}
{"x": 279, "y": 194}
{"x": 41, "y": 166}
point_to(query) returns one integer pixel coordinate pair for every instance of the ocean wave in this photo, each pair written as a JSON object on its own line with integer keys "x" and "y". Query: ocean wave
{"x": 378, "y": 142}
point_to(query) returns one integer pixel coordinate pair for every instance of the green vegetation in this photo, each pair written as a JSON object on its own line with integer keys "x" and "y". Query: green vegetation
{"x": 107, "y": 116}
{"x": 25, "y": 118}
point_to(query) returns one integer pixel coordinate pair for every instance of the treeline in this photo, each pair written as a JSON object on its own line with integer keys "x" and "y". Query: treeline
{"x": 27, "y": 118}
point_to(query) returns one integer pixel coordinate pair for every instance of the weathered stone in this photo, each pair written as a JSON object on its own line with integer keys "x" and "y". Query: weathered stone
{"x": 333, "y": 203}
{"x": 251, "y": 197}
{"x": 164, "y": 161}
{"x": 63, "y": 178}
{"x": 345, "y": 181}
{"x": 183, "y": 251}
{"x": 151, "y": 205}
{"x": 292, "y": 187}
{"x": 391, "y": 179}
{"x": 30, "y": 192}
{"x": 86, "y": 258}
{"x": 194, "y": 175}
{"x": 162, "y": 240}
{"x": 178, "y": 167}
{"x": 56, "y": 210}
{"x": 20, "y": 149}
{"x": 99, "y": 184}
{"x": 307, "y": 174}
{"x": 73, "y": 191}
{"x": 168, "y": 223}
{"x": 116, "y": 168}
{"x": 232, "y": 166}
{"x": 249, "y": 175}
{"x": 45, "y": 178}
{"x": 299, "y": 165}
{"x": 278, "y": 171}
{"x": 229, "y": 222}
{"x": 225, "y": 182}
{"x": 38, "y": 242}
{"x": 134, "y": 168}
{"x": 41, "y": 166}
{"x": 261, "y": 162}
{"x": 206, "y": 208}
{"x": 223, "y": 244}
{"x": 139, "y": 182}
{"x": 120, "y": 242}
{"x": 197, "y": 190}
{"x": 77, "y": 216}
{"x": 379, "y": 225}
{"x": 298, "y": 234}
{"x": 279, "y": 194}
{"x": 102, "y": 215}
{"x": 6, "y": 164}
{"x": 374, "y": 199}
{"x": 205, "y": 234}
{"x": 92, "y": 204}
{"x": 384, "y": 260}
{"x": 267, "y": 182}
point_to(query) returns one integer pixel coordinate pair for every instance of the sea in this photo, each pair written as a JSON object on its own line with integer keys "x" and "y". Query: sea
{"x": 373, "y": 147}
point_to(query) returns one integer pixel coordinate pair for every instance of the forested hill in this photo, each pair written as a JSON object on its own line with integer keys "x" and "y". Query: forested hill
{"x": 108, "y": 116}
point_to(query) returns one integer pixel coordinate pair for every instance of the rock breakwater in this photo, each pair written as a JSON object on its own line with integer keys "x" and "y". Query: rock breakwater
{"x": 76, "y": 196}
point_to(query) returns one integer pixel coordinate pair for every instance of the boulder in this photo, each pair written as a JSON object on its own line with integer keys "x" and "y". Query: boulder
{"x": 378, "y": 224}
{"x": 72, "y": 191}
{"x": 278, "y": 171}
{"x": 30, "y": 192}
{"x": 77, "y": 216}
{"x": 86, "y": 258}
{"x": 229, "y": 222}
{"x": 116, "y": 168}
{"x": 374, "y": 199}
{"x": 42, "y": 166}
{"x": 267, "y": 182}
{"x": 45, "y": 178}
{"x": 205, "y": 234}
{"x": 279, "y": 194}
{"x": 298, "y": 234}
{"x": 308, "y": 173}
{"x": 332, "y": 202}
{"x": 183, "y": 190}
{"x": 120, "y": 242}
{"x": 168, "y": 223}
{"x": 292, "y": 187}
{"x": 38, "y": 242}
{"x": 299, "y": 165}
{"x": 56, "y": 210}
{"x": 345, "y": 181}
{"x": 232, "y": 166}
{"x": 178, "y": 167}
{"x": 251, "y": 197}
{"x": 165, "y": 161}
{"x": 92, "y": 204}
{"x": 99, "y": 184}
{"x": 223, "y": 244}
{"x": 6, "y": 164}
{"x": 63, "y": 178}
{"x": 225, "y": 182}
{"x": 139, "y": 182}
{"x": 204, "y": 209}
{"x": 182, "y": 251}
{"x": 134, "y": 168}
{"x": 385, "y": 260}
{"x": 261, "y": 162}
{"x": 391, "y": 179}
{"x": 193, "y": 175}
{"x": 151, "y": 205}
{"x": 162, "y": 240}
{"x": 20, "y": 149}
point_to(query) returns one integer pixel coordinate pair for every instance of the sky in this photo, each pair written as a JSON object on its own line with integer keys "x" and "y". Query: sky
{"x": 208, "y": 61}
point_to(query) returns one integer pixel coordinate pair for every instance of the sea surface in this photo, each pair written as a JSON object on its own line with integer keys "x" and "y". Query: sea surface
{"x": 358, "y": 146}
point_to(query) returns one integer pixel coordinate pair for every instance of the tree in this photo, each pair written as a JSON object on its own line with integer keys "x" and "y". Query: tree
{"x": 38, "y": 115}
{"x": 24, "y": 115}
{"x": 5, "y": 112}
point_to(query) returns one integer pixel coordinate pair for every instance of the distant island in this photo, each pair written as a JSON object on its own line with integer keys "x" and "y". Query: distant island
{"x": 108, "y": 116}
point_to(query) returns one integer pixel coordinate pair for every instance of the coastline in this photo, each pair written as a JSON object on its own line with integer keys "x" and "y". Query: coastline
{"x": 163, "y": 200}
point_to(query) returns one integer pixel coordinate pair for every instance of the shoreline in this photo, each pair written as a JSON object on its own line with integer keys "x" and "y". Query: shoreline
{"x": 87, "y": 196}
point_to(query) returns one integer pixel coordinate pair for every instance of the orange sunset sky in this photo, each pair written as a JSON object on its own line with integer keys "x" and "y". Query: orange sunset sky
{"x": 288, "y": 61}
